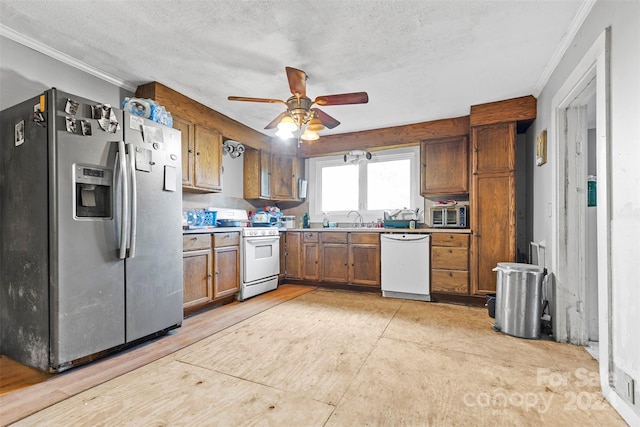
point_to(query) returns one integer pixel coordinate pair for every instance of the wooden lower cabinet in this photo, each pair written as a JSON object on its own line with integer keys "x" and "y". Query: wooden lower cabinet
{"x": 226, "y": 264}
{"x": 364, "y": 258}
{"x": 335, "y": 257}
{"x": 211, "y": 268}
{"x": 293, "y": 255}
{"x": 310, "y": 255}
{"x": 196, "y": 277}
{"x": 450, "y": 263}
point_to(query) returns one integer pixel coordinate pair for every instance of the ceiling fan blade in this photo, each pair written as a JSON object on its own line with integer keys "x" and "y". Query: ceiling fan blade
{"x": 297, "y": 81}
{"x": 243, "y": 98}
{"x": 274, "y": 122}
{"x": 343, "y": 98}
{"x": 326, "y": 119}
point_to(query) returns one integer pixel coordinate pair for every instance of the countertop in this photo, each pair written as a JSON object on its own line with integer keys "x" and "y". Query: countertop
{"x": 339, "y": 230}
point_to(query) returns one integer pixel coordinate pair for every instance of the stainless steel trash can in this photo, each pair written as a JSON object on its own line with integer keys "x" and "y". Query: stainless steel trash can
{"x": 519, "y": 299}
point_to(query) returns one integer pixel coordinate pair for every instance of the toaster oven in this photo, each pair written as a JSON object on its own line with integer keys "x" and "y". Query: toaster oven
{"x": 449, "y": 216}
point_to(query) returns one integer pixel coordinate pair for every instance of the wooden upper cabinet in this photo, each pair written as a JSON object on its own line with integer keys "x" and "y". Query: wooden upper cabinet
{"x": 271, "y": 176}
{"x": 188, "y": 150}
{"x": 208, "y": 159}
{"x": 493, "y": 148}
{"x": 444, "y": 166}
{"x": 284, "y": 180}
{"x": 257, "y": 174}
{"x": 201, "y": 157}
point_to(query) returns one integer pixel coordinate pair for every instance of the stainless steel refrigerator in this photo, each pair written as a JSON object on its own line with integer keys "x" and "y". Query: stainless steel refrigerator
{"x": 90, "y": 230}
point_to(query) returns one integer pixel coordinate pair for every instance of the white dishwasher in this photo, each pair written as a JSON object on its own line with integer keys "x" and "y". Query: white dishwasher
{"x": 405, "y": 266}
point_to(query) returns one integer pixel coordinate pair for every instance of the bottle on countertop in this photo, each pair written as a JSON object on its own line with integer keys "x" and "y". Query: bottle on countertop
{"x": 325, "y": 220}
{"x": 305, "y": 220}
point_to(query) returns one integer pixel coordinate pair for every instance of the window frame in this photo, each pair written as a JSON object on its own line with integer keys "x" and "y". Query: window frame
{"x": 316, "y": 165}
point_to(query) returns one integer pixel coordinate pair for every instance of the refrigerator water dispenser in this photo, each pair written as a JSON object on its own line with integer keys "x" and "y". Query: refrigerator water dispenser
{"x": 93, "y": 192}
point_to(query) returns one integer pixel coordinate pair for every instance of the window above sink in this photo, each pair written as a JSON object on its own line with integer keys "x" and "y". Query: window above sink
{"x": 389, "y": 180}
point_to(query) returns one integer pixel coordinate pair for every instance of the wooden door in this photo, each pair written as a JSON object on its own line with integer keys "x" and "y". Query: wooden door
{"x": 226, "y": 268}
{"x": 283, "y": 185}
{"x": 293, "y": 264}
{"x": 494, "y": 148}
{"x": 208, "y": 159}
{"x": 335, "y": 262}
{"x": 444, "y": 166}
{"x": 188, "y": 150}
{"x": 196, "y": 278}
{"x": 494, "y": 231}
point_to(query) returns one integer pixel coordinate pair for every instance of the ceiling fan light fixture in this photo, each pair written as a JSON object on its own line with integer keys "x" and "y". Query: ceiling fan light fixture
{"x": 310, "y": 135}
{"x": 287, "y": 125}
{"x": 315, "y": 125}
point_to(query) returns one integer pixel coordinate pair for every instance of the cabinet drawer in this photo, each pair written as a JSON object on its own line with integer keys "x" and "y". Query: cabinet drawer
{"x": 310, "y": 237}
{"x": 334, "y": 237}
{"x": 456, "y": 282}
{"x": 373, "y": 238}
{"x": 194, "y": 242}
{"x": 449, "y": 258}
{"x": 450, "y": 239}
{"x": 226, "y": 239}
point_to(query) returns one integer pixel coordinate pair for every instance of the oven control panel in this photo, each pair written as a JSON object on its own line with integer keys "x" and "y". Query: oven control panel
{"x": 259, "y": 231}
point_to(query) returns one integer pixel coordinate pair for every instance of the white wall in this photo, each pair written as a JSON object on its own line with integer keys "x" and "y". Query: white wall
{"x": 623, "y": 18}
{"x": 25, "y": 73}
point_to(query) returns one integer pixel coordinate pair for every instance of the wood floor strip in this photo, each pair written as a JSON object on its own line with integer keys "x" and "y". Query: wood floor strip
{"x": 27, "y": 400}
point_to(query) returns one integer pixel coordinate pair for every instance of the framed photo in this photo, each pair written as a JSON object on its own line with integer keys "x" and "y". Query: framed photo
{"x": 541, "y": 148}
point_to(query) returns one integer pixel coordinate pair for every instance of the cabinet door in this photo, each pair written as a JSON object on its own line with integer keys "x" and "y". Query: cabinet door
{"x": 226, "y": 267}
{"x": 188, "y": 150}
{"x": 335, "y": 262}
{"x": 311, "y": 261}
{"x": 444, "y": 166}
{"x": 208, "y": 159}
{"x": 493, "y": 148}
{"x": 265, "y": 174}
{"x": 293, "y": 265}
{"x": 196, "y": 277}
{"x": 364, "y": 264}
{"x": 283, "y": 254}
{"x": 283, "y": 179}
{"x": 494, "y": 231}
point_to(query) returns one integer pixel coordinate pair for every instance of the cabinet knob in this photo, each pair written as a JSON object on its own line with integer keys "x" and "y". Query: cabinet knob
{"x": 450, "y": 274}
{"x": 189, "y": 151}
{"x": 450, "y": 251}
{"x": 197, "y": 153}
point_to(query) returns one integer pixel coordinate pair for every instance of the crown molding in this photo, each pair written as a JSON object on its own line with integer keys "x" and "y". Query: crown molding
{"x": 564, "y": 44}
{"x": 63, "y": 57}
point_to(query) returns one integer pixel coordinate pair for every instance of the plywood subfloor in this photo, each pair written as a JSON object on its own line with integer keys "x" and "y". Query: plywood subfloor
{"x": 338, "y": 358}
{"x": 28, "y": 390}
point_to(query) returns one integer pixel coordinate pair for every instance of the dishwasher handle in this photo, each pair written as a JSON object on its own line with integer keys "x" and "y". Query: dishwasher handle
{"x": 404, "y": 237}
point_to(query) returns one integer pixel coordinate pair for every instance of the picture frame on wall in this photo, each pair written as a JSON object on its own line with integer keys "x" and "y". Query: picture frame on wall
{"x": 541, "y": 148}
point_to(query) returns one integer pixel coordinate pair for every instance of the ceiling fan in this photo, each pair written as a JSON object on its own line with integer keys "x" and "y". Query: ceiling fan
{"x": 300, "y": 114}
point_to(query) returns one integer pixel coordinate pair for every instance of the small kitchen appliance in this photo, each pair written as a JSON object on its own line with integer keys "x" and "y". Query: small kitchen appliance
{"x": 449, "y": 216}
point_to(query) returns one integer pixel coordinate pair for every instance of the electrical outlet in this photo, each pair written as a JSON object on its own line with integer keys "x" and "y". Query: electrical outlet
{"x": 625, "y": 386}
{"x": 629, "y": 392}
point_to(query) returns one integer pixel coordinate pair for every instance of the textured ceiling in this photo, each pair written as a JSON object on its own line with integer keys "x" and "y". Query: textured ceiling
{"x": 418, "y": 60}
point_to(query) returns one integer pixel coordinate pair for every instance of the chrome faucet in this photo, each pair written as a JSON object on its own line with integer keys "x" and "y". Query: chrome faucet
{"x": 358, "y": 218}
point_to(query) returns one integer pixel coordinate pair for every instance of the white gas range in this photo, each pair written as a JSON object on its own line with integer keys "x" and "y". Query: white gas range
{"x": 259, "y": 254}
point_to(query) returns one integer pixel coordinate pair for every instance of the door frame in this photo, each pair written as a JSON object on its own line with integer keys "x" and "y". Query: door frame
{"x": 570, "y": 324}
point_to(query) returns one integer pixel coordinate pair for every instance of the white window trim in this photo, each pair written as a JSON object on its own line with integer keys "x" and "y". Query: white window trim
{"x": 315, "y": 183}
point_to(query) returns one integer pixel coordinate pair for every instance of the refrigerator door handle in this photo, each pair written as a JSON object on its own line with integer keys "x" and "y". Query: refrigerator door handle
{"x": 124, "y": 200}
{"x": 134, "y": 201}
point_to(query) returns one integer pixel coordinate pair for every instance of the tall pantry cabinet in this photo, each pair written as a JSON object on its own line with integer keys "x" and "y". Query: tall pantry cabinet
{"x": 493, "y": 197}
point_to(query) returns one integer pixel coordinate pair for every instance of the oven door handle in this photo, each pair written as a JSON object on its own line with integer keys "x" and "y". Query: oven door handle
{"x": 261, "y": 240}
